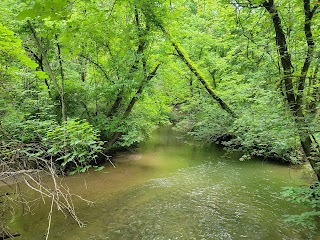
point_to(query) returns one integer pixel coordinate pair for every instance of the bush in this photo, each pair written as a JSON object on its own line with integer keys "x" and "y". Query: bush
{"x": 310, "y": 197}
{"x": 74, "y": 143}
{"x": 266, "y": 129}
{"x": 204, "y": 120}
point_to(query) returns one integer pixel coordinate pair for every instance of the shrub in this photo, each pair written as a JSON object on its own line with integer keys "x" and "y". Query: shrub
{"x": 75, "y": 144}
{"x": 310, "y": 197}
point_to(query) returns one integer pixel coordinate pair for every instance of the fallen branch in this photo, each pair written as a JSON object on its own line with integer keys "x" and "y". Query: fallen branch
{"x": 108, "y": 159}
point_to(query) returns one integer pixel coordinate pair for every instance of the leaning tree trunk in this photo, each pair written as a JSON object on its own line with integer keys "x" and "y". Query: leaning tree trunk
{"x": 194, "y": 69}
{"x": 115, "y": 136}
{"x": 151, "y": 16}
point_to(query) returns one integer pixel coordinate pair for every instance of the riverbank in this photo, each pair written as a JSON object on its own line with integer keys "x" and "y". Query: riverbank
{"x": 173, "y": 188}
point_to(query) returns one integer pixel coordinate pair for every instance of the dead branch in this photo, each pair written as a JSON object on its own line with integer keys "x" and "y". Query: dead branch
{"x": 20, "y": 164}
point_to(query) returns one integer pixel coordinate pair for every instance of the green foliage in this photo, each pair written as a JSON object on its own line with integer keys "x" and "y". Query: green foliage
{"x": 308, "y": 196}
{"x": 240, "y": 56}
{"x": 28, "y": 116}
{"x": 143, "y": 120}
{"x": 266, "y": 129}
{"x": 75, "y": 144}
{"x": 110, "y": 48}
{"x": 235, "y": 52}
{"x": 11, "y": 50}
{"x": 204, "y": 120}
{"x": 29, "y": 120}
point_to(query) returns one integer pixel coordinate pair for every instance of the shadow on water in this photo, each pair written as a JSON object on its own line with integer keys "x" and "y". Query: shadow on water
{"x": 172, "y": 188}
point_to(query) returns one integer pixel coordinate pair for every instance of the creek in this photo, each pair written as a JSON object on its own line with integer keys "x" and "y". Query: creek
{"x": 174, "y": 188}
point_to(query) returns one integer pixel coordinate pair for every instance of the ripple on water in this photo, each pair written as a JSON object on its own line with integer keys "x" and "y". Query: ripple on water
{"x": 208, "y": 196}
{"x": 201, "y": 203}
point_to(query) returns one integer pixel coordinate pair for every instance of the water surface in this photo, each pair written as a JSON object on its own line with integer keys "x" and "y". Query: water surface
{"x": 174, "y": 188}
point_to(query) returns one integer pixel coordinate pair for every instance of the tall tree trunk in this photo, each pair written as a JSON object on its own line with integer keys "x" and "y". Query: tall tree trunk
{"x": 314, "y": 89}
{"x": 309, "y": 56}
{"x": 295, "y": 100}
{"x": 133, "y": 68}
{"x": 285, "y": 58}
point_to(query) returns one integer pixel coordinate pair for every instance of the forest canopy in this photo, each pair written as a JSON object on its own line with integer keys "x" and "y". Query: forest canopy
{"x": 82, "y": 79}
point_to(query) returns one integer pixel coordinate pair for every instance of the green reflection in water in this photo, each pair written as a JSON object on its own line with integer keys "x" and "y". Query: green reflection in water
{"x": 173, "y": 188}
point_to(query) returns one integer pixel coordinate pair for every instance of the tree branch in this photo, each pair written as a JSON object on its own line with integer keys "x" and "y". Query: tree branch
{"x": 98, "y": 66}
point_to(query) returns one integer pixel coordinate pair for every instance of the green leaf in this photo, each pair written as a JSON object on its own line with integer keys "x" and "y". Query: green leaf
{"x": 41, "y": 74}
{"x": 98, "y": 168}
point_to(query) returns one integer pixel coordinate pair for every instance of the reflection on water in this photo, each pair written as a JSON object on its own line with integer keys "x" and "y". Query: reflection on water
{"x": 172, "y": 188}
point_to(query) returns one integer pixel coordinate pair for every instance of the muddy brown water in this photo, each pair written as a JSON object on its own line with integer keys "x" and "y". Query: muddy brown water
{"x": 174, "y": 188}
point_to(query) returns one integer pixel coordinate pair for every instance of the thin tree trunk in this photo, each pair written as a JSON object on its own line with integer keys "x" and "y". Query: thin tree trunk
{"x": 134, "y": 67}
{"x": 48, "y": 67}
{"x": 40, "y": 63}
{"x": 98, "y": 66}
{"x": 115, "y": 136}
{"x": 309, "y": 56}
{"x": 312, "y": 106}
{"x": 139, "y": 92}
{"x": 63, "y": 105}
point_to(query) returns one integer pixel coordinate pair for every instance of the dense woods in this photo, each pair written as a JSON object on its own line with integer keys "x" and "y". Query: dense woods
{"x": 82, "y": 79}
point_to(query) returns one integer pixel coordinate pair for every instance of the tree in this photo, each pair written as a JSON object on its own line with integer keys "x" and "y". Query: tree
{"x": 295, "y": 96}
